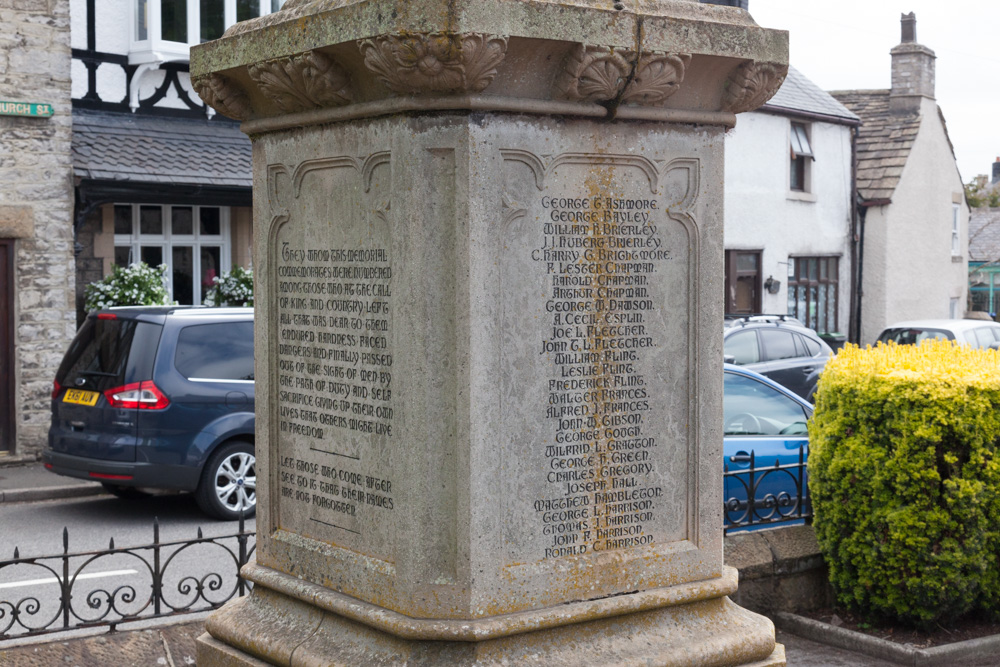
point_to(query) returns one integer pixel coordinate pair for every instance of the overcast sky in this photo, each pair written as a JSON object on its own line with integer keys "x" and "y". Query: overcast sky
{"x": 845, "y": 44}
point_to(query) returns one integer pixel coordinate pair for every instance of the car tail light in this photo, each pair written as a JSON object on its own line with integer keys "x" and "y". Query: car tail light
{"x": 107, "y": 316}
{"x": 56, "y": 387}
{"x": 138, "y": 395}
{"x": 104, "y": 475}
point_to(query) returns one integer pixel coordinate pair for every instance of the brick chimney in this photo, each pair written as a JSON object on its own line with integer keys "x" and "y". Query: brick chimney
{"x": 912, "y": 69}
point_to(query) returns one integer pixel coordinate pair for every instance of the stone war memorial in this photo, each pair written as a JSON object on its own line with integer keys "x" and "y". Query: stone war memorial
{"x": 489, "y": 257}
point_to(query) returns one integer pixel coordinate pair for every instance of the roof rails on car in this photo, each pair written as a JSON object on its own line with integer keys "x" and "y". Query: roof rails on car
{"x": 743, "y": 319}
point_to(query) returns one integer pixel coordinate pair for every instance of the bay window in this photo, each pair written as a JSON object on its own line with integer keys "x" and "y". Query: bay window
{"x": 813, "y": 291}
{"x": 163, "y": 30}
{"x": 193, "y": 241}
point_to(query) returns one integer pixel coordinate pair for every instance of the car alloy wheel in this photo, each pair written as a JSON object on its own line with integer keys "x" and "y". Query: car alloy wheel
{"x": 229, "y": 482}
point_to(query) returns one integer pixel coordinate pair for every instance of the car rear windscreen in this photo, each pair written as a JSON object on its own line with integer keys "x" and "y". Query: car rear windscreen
{"x": 109, "y": 352}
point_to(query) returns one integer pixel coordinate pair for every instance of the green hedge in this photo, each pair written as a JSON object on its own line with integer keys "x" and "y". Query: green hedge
{"x": 905, "y": 480}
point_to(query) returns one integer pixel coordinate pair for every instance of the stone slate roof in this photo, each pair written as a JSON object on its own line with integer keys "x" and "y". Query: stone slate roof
{"x": 156, "y": 149}
{"x": 984, "y": 235}
{"x": 798, "y": 93}
{"x": 884, "y": 141}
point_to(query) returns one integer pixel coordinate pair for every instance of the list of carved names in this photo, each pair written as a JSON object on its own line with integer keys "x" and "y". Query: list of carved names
{"x": 334, "y": 380}
{"x": 600, "y": 256}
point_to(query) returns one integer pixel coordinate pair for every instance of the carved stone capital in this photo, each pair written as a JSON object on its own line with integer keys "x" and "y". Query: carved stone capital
{"x": 306, "y": 81}
{"x": 223, "y": 95}
{"x": 599, "y": 74}
{"x": 752, "y": 84}
{"x": 434, "y": 62}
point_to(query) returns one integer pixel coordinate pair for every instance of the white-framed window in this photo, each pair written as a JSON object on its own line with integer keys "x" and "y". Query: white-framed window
{"x": 956, "y": 244}
{"x": 193, "y": 241}
{"x": 801, "y": 158}
{"x": 164, "y": 30}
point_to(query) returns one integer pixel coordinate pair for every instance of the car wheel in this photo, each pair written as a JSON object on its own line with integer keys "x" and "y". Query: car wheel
{"x": 125, "y": 492}
{"x": 229, "y": 482}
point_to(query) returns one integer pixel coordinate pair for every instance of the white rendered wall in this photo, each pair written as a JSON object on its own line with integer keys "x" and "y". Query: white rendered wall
{"x": 917, "y": 274}
{"x": 762, "y": 213}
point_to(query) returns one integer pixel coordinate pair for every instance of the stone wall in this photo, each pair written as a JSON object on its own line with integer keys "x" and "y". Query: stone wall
{"x": 36, "y": 170}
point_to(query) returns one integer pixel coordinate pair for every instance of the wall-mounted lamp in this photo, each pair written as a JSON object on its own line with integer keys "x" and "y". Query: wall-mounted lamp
{"x": 771, "y": 285}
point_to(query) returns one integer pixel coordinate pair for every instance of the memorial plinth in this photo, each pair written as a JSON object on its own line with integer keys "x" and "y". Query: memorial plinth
{"x": 488, "y": 243}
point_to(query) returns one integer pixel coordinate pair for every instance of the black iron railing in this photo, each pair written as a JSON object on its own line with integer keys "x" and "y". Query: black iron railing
{"x": 780, "y": 493}
{"x": 173, "y": 578}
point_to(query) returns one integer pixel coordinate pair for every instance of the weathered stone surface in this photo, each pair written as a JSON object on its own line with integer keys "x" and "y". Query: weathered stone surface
{"x": 36, "y": 205}
{"x": 487, "y": 375}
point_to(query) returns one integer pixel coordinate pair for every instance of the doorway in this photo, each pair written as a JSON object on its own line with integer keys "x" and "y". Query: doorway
{"x": 742, "y": 282}
{"x": 6, "y": 346}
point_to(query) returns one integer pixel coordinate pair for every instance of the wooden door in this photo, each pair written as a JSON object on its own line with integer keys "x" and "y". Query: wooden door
{"x": 6, "y": 346}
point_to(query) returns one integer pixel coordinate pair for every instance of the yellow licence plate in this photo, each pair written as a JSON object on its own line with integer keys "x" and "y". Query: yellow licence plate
{"x": 80, "y": 397}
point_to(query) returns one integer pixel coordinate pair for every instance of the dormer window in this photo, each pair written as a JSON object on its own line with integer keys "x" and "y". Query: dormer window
{"x": 164, "y": 30}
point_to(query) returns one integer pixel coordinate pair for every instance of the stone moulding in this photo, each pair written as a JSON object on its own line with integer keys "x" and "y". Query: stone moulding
{"x": 223, "y": 95}
{"x": 602, "y": 74}
{"x": 434, "y": 62}
{"x": 477, "y": 630}
{"x": 306, "y": 81}
{"x": 751, "y": 84}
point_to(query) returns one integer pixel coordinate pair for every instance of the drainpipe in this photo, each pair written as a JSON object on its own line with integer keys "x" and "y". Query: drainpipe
{"x": 854, "y": 322}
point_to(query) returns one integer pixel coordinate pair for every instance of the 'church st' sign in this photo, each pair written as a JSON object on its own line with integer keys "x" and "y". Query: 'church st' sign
{"x": 25, "y": 109}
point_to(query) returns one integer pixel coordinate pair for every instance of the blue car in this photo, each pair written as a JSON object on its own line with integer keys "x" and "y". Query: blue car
{"x": 160, "y": 398}
{"x": 765, "y": 445}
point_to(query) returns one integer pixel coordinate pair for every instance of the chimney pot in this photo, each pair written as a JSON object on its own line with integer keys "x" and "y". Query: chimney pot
{"x": 908, "y": 27}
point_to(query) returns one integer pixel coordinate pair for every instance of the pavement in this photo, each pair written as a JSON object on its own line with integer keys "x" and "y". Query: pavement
{"x": 171, "y": 641}
{"x": 32, "y": 482}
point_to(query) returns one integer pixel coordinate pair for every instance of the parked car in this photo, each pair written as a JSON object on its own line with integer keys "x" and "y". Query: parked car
{"x": 976, "y": 333}
{"x": 160, "y": 398}
{"x": 765, "y": 424}
{"x": 780, "y": 348}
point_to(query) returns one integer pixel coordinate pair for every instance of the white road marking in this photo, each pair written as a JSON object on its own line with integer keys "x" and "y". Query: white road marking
{"x": 53, "y": 580}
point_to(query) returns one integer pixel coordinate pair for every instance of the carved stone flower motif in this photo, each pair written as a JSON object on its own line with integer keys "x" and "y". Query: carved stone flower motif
{"x": 435, "y": 62}
{"x": 752, "y": 84}
{"x": 598, "y": 74}
{"x": 305, "y": 81}
{"x": 223, "y": 95}
{"x": 593, "y": 74}
{"x": 658, "y": 77}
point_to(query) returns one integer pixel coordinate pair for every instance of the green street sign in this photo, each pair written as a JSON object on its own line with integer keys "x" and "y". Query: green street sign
{"x": 25, "y": 109}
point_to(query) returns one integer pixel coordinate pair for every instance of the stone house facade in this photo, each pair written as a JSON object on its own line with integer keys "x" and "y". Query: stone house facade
{"x": 36, "y": 213}
{"x": 788, "y": 205}
{"x": 913, "y": 218}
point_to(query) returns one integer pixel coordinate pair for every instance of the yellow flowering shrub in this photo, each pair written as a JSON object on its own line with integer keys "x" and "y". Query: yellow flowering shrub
{"x": 905, "y": 479}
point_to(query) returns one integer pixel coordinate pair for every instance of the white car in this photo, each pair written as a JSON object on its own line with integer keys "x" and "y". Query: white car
{"x": 977, "y": 333}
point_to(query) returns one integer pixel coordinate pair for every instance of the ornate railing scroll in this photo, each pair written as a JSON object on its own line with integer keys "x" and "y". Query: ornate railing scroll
{"x": 790, "y": 504}
{"x": 45, "y": 594}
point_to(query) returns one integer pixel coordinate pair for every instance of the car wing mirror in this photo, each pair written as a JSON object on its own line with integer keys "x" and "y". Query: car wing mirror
{"x": 731, "y": 358}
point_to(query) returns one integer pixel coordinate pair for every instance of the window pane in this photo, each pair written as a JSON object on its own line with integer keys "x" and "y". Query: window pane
{"x": 821, "y": 323}
{"x": 216, "y": 351}
{"x": 123, "y": 220}
{"x": 812, "y": 347}
{"x": 742, "y": 347}
{"x": 173, "y": 20}
{"x": 210, "y": 256}
{"x": 182, "y": 274}
{"x": 753, "y": 408}
{"x": 123, "y": 255}
{"x": 812, "y": 269}
{"x": 141, "y": 20}
{"x": 210, "y": 225}
{"x": 213, "y": 21}
{"x": 151, "y": 254}
{"x": 276, "y": 5}
{"x": 247, "y": 9}
{"x": 181, "y": 220}
{"x": 778, "y": 344}
{"x": 151, "y": 220}
{"x": 746, "y": 262}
